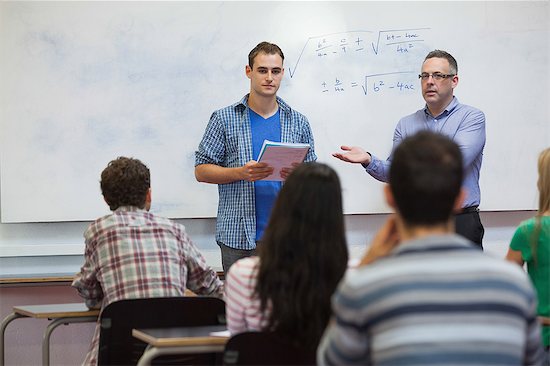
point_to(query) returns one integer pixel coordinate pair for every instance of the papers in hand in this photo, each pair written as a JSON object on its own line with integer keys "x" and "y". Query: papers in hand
{"x": 281, "y": 155}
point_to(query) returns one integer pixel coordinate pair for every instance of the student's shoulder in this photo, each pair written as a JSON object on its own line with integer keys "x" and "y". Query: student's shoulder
{"x": 363, "y": 277}
{"x": 528, "y": 223}
{"x": 162, "y": 221}
{"x": 500, "y": 270}
{"x": 244, "y": 266}
{"x": 285, "y": 107}
{"x": 525, "y": 227}
{"x": 101, "y": 223}
{"x": 231, "y": 109}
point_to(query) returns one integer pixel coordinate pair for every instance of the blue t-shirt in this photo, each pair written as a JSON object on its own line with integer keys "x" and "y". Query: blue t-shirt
{"x": 264, "y": 192}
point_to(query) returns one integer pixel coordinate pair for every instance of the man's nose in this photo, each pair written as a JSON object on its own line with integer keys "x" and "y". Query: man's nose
{"x": 429, "y": 81}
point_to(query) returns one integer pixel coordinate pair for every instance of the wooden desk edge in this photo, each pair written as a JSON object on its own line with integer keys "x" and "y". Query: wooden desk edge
{"x": 51, "y": 279}
{"x": 178, "y": 341}
{"x": 24, "y": 310}
{"x": 37, "y": 280}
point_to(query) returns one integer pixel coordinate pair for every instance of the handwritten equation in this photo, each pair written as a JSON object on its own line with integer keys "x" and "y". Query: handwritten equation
{"x": 387, "y": 57}
{"x": 378, "y": 83}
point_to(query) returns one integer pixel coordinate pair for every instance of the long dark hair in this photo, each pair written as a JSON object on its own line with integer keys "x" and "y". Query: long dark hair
{"x": 303, "y": 254}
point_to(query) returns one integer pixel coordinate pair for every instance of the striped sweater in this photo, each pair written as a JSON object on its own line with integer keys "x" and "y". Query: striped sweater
{"x": 437, "y": 300}
{"x": 242, "y": 306}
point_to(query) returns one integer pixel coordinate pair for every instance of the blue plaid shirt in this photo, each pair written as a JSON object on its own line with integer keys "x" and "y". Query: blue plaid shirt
{"x": 227, "y": 142}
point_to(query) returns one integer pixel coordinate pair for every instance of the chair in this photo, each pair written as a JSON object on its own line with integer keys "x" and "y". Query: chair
{"x": 265, "y": 348}
{"x": 117, "y": 346}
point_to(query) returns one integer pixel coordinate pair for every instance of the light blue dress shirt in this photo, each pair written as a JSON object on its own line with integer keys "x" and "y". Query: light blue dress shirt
{"x": 227, "y": 142}
{"x": 464, "y": 124}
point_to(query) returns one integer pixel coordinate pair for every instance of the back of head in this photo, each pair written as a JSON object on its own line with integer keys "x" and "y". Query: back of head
{"x": 303, "y": 253}
{"x": 425, "y": 178}
{"x": 453, "y": 65}
{"x": 125, "y": 182}
{"x": 544, "y": 181}
{"x": 267, "y": 48}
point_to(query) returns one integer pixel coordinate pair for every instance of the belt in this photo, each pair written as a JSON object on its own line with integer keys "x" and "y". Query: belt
{"x": 469, "y": 209}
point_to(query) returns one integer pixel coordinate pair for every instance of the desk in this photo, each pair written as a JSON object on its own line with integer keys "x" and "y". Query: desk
{"x": 179, "y": 340}
{"x": 58, "y": 313}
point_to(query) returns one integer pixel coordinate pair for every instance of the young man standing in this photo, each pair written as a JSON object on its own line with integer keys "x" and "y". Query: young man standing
{"x": 231, "y": 143}
{"x": 443, "y": 113}
{"x": 132, "y": 253}
{"x": 425, "y": 295}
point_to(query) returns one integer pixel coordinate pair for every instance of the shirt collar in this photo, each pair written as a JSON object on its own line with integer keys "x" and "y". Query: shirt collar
{"x": 433, "y": 243}
{"x": 243, "y": 103}
{"x": 129, "y": 209}
{"x": 448, "y": 109}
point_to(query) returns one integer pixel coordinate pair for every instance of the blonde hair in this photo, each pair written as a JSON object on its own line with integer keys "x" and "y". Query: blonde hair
{"x": 543, "y": 185}
{"x": 544, "y": 182}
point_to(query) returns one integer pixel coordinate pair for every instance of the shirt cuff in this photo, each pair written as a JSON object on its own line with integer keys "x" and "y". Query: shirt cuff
{"x": 369, "y": 167}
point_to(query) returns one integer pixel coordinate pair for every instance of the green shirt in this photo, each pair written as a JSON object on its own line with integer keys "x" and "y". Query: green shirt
{"x": 539, "y": 269}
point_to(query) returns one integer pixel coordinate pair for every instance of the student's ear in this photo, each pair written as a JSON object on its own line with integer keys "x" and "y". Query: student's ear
{"x": 247, "y": 71}
{"x": 388, "y": 195}
{"x": 148, "y": 200}
{"x": 459, "y": 200}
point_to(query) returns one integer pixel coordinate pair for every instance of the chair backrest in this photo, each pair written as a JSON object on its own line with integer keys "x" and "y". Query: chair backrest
{"x": 265, "y": 348}
{"x": 117, "y": 346}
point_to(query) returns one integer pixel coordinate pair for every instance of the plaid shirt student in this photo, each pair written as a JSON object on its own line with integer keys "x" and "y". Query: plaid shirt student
{"x": 134, "y": 254}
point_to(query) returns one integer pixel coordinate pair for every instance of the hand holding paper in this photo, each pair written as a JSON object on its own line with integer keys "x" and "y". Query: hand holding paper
{"x": 281, "y": 155}
{"x": 254, "y": 171}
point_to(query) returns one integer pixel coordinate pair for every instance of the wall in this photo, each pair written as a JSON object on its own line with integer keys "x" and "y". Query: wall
{"x": 18, "y": 260}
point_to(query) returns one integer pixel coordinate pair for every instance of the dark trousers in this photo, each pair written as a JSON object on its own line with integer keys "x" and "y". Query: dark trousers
{"x": 468, "y": 224}
{"x": 231, "y": 255}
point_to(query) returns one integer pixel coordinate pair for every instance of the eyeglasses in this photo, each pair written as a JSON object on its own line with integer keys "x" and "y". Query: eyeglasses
{"x": 436, "y": 76}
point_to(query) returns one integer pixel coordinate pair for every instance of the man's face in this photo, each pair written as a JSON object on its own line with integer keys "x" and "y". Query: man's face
{"x": 266, "y": 74}
{"x": 437, "y": 92}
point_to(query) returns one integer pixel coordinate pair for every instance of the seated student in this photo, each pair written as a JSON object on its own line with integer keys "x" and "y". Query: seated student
{"x": 132, "y": 253}
{"x": 302, "y": 257}
{"x": 531, "y": 244}
{"x": 423, "y": 294}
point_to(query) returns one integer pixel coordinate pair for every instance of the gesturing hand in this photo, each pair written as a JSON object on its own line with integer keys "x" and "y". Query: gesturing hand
{"x": 354, "y": 154}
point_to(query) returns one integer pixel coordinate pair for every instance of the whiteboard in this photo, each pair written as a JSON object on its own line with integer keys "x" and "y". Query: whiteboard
{"x": 85, "y": 82}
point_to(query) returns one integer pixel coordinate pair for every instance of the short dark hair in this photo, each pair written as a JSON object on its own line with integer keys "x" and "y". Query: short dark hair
{"x": 264, "y": 47}
{"x": 453, "y": 66}
{"x": 303, "y": 254}
{"x": 425, "y": 178}
{"x": 125, "y": 182}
